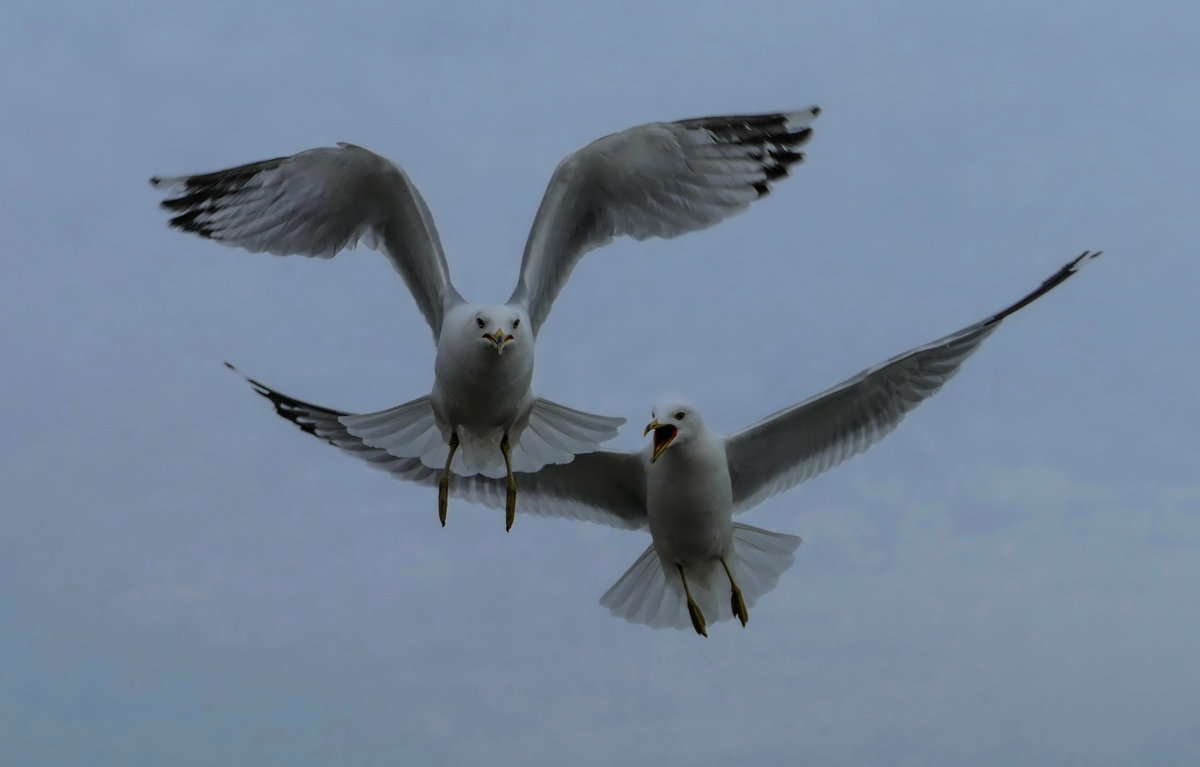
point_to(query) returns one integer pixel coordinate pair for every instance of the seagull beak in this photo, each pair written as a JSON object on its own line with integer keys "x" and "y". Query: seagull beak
{"x": 663, "y": 436}
{"x": 499, "y": 339}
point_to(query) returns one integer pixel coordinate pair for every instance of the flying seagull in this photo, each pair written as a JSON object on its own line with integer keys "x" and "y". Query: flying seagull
{"x": 689, "y": 482}
{"x": 481, "y": 416}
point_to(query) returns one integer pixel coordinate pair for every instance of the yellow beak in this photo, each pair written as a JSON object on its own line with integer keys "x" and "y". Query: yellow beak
{"x": 659, "y": 447}
{"x": 499, "y": 339}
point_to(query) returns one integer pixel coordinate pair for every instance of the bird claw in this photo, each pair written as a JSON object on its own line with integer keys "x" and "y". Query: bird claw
{"x": 510, "y": 505}
{"x": 739, "y": 606}
{"x": 510, "y": 495}
{"x": 444, "y": 481}
{"x": 697, "y": 618}
{"x": 443, "y": 497}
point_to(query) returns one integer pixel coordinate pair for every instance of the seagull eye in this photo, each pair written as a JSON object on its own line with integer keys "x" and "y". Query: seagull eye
{"x": 479, "y": 321}
{"x": 516, "y": 322}
{"x": 680, "y": 415}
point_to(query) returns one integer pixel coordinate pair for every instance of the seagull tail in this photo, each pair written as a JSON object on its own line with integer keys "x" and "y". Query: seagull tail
{"x": 651, "y": 594}
{"x": 556, "y": 434}
{"x": 404, "y": 431}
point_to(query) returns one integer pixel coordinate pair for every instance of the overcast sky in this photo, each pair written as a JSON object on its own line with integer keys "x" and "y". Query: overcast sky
{"x": 1010, "y": 578}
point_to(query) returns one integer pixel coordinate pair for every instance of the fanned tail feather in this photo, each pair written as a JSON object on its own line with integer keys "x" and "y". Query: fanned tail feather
{"x": 650, "y": 593}
{"x": 405, "y": 431}
{"x": 556, "y": 434}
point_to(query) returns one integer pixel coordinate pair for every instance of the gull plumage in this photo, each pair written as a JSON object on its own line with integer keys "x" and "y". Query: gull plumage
{"x": 481, "y": 416}
{"x": 686, "y": 486}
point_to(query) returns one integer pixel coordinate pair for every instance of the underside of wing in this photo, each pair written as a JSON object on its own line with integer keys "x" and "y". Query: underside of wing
{"x": 317, "y": 203}
{"x": 655, "y": 180}
{"x": 804, "y": 440}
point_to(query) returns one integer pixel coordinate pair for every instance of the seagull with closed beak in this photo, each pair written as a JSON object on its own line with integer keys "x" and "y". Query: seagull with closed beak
{"x": 481, "y": 416}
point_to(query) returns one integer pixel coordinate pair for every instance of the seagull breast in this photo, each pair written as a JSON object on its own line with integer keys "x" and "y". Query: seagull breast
{"x": 689, "y": 500}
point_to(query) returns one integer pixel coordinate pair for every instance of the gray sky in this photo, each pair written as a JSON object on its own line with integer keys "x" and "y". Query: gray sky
{"x": 1010, "y": 578}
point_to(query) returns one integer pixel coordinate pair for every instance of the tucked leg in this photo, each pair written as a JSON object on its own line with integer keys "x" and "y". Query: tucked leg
{"x": 693, "y": 608}
{"x": 444, "y": 480}
{"x": 510, "y": 497}
{"x": 739, "y": 604}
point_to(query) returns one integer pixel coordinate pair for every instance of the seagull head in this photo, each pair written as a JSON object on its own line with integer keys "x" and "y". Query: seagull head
{"x": 499, "y": 326}
{"x": 674, "y": 422}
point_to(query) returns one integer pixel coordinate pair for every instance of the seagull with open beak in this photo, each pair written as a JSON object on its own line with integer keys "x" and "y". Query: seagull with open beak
{"x": 664, "y": 435}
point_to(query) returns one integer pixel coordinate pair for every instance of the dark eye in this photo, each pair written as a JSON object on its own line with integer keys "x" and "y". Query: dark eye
{"x": 515, "y": 323}
{"x": 679, "y": 416}
{"x": 479, "y": 321}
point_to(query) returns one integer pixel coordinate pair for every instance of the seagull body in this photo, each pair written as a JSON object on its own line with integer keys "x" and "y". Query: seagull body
{"x": 689, "y": 483}
{"x": 689, "y": 496}
{"x": 481, "y": 416}
{"x": 485, "y": 394}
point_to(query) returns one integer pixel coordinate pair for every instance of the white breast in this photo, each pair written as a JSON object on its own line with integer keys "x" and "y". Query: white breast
{"x": 478, "y": 391}
{"x": 690, "y": 501}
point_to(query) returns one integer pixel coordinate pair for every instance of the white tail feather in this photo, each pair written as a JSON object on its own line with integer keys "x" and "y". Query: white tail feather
{"x": 405, "y": 431}
{"x": 651, "y": 593}
{"x": 556, "y": 434}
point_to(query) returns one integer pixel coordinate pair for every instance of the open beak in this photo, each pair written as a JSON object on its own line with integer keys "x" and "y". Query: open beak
{"x": 499, "y": 339}
{"x": 663, "y": 436}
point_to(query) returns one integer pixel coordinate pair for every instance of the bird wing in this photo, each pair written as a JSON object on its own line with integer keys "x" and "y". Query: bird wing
{"x": 799, "y": 442}
{"x": 606, "y": 487}
{"x": 654, "y": 180}
{"x": 317, "y": 203}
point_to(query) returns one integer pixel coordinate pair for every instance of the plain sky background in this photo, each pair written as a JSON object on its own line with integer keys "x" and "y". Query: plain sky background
{"x": 1010, "y": 578}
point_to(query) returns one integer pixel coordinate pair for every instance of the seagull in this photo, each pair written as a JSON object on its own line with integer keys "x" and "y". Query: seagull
{"x": 656, "y": 180}
{"x": 689, "y": 482}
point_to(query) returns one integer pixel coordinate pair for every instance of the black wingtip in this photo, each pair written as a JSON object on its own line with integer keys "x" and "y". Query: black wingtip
{"x": 281, "y": 400}
{"x": 1083, "y": 258}
{"x": 259, "y": 388}
{"x": 188, "y": 222}
{"x": 1050, "y": 283}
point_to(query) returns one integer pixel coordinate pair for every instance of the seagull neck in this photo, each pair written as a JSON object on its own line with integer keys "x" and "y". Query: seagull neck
{"x": 691, "y": 452}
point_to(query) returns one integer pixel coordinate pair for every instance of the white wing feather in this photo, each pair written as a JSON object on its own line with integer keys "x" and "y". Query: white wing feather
{"x": 804, "y": 440}
{"x": 654, "y": 180}
{"x": 318, "y": 203}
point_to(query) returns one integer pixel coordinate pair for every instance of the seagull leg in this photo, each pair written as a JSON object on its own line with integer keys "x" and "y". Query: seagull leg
{"x": 444, "y": 480}
{"x": 693, "y": 608}
{"x": 510, "y": 497}
{"x": 739, "y": 604}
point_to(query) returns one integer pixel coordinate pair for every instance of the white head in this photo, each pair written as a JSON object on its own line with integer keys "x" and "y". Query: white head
{"x": 498, "y": 327}
{"x": 674, "y": 423}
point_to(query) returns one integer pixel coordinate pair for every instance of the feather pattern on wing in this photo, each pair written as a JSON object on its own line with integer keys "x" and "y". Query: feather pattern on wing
{"x": 654, "y": 180}
{"x": 799, "y": 442}
{"x": 317, "y": 203}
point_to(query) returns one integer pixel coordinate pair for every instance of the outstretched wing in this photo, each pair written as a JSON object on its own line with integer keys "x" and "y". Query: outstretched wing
{"x": 804, "y": 440}
{"x": 655, "y": 180}
{"x": 317, "y": 203}
{"x": 605, "y": 487}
